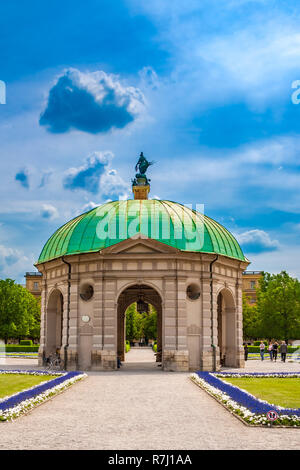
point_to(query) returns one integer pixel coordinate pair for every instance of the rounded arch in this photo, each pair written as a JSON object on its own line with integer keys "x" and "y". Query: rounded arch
{"x": 52, "y": 291}
{"x": 226, "y": 324}
{"x": 128, "y": 295}
{"x": 135, "y": 283}
{"x": 54, "y": 321}
{"x": 228, "y": 295}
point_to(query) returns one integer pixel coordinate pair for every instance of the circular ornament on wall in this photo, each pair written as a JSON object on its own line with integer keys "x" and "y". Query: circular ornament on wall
{"x": 193, "y": 292}
{"x": 86, "y": 292}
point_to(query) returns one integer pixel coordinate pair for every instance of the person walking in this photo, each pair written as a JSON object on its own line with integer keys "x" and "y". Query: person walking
{"x": 283, "y": 350}
{"x": 246, "y": 351}
{"x": 262, "y": 350}
{"x": 270, "y": 350}
{"x": 275, "y": 350}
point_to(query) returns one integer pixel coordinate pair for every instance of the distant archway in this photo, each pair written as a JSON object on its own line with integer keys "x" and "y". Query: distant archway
{"x": 226, "y": 311}
{"x": 129, "y": 296}
{"x": 54, "y": 322}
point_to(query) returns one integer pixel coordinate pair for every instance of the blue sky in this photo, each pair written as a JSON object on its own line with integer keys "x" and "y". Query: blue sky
{"x": 202, "y": 88}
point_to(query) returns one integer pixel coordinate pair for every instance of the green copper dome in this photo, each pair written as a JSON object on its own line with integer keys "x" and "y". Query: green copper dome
{"x": 165, "y": 221}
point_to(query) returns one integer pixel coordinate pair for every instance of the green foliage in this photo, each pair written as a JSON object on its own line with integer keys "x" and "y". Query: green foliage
{"x": 26, "y": 342}
{"x": 19, "y": 311}
{"x": 150, "y": 325}
{"x": 255, "y": 349}
{"x": 277, "y": 311}
{"x": 127, "y": 346}
{"x": 131, "y": 323}
{"x": 278, "y": 302}
{"x": 19, "y": 348}
{"x": 140, "y": 325}
{"x": 251, "y": 320}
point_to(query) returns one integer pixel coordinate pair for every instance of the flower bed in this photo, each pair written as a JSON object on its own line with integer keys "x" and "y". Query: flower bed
{"x": 252, "y": 410}
{"x": 13, "y": 406}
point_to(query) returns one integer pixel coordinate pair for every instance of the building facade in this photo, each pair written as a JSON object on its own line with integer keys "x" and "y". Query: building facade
{"x": 34, "y": 283}
{"x": 189, "y": 267}
{"x": 250, "y": 284}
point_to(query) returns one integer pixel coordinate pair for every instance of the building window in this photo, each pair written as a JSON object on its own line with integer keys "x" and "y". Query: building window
{"x": 252, "y": 284}
{"x": 35, "y": 286}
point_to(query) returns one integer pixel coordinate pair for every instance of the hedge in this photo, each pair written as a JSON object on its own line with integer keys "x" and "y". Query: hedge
{"x": 255, "y": 349}
{"x": 26, "y": 342}
{"x": 257, "y": 343}
{"x": 127, "y": 346}
{"x": 18, "y": 348}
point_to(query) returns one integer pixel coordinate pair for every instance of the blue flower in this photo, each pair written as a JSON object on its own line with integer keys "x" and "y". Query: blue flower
{"x": 16, "y": 399}
{"x": 250, "y": 402}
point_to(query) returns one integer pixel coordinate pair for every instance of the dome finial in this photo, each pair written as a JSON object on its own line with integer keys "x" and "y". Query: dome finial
{"x": 140, "y": 184}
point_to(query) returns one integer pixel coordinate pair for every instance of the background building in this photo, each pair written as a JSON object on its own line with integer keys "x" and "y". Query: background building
{"x": 34, "y": 283}
{"x": 250, "y": 284}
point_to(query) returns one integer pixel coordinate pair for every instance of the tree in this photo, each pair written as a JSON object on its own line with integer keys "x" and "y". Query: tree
{"x": 150, "y": 325}
{"x": 251, "y": 320}
{"x": 19, "y": 311}
{"x": 278, "y": 304}
{"x": 131, "y": 329}
{"x": 141, "y": 325}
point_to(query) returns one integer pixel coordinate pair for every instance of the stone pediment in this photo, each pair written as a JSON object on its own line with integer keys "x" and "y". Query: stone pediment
{"x": 140, "y": 245}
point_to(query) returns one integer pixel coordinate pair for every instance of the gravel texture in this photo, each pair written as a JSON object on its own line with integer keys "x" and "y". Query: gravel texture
{"x": 140, "y": 407}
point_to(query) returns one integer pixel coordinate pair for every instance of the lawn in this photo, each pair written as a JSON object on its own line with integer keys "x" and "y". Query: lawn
{"x": 277, "y": 391}
{"x": 13, "y": 383}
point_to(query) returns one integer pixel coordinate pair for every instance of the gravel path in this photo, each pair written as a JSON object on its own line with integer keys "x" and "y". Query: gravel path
{"x": 140, "y": 409}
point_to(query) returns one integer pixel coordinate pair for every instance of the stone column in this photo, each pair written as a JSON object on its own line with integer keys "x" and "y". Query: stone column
{"x": 109, "y": 353}
{"x": 230, "y": 328}
{"x": 104, "y": 351}
{"x": 42, "y": 347}
{"x": 175, "y": 353}
{"x": 98, "y": 322}
{"x": 121, "y": 331}
{"x": 159, "y": 334}
{"x": 72, "y": 349}
{"x": 240, "y": 359}
{"x": 209, "y": 355}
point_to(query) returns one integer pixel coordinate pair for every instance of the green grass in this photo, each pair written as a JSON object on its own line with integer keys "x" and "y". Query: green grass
{"x": 12, "y": 383}
{"x": 277, "y": 391}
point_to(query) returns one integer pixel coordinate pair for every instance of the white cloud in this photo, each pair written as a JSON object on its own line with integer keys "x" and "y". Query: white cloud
{"x": 228, "y": 178}
{"x": 221, "y": 50}
{"x": 112, "y": 184}
{"x": 14, "y": 264}
{"x": 286, "y": 259}
{"x": 256, "y": 61}
{"x": 92, "y": 102}
{"x": 88, "y": 206}
{"x": 49, "y": 212}
{"x": 256, "y": 236}
{"x": 87, "y": 176}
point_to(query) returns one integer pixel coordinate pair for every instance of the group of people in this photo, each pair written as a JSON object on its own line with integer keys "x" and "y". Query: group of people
{"x": 272, "y": 348}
